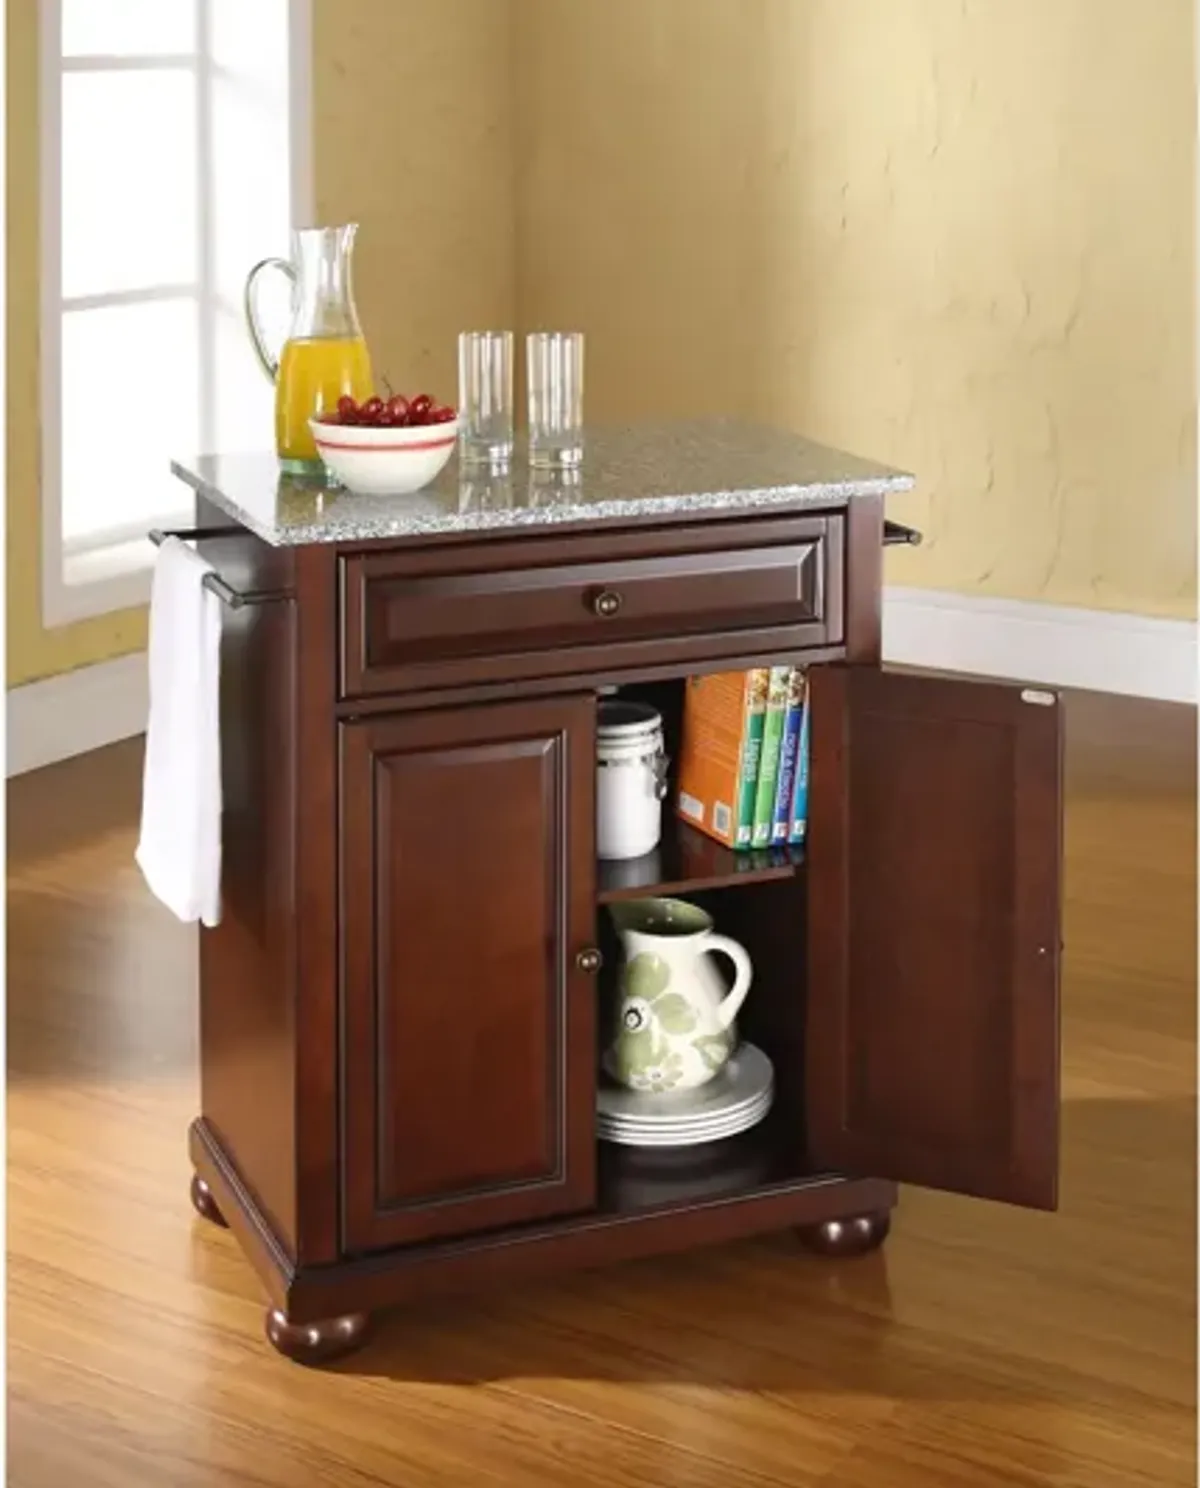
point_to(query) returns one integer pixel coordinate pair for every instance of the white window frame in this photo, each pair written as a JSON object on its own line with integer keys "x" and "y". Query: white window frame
{"x": 100, "y": 579}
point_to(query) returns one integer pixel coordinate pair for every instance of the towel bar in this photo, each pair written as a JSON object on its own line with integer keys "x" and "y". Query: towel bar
{"x": 234, "y": 598}
{"x": 895, "y": 533}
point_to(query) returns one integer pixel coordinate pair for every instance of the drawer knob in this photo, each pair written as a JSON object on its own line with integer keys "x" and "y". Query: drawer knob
{"x": 590, "y": 960}
{"x": 606, "y": 603}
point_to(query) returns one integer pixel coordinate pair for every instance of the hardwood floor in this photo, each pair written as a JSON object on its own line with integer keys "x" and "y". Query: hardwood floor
{"x": 981, "y": 1346}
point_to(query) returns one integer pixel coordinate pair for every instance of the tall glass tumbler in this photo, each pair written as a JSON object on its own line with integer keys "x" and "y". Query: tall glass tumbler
{"x": 485, "y": 397}
{"x": 554, "y": 371}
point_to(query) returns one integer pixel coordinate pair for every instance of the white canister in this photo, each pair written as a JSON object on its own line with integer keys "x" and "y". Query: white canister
{"x": 631, "y": 779}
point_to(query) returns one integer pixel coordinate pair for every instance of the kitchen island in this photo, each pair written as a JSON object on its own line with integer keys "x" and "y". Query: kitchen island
{"x": 401, "y": 1009}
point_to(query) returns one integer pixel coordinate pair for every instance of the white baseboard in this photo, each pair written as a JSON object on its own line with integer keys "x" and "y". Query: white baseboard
{"x": 1059, "y": 646}
{"x": 81, "y": 710}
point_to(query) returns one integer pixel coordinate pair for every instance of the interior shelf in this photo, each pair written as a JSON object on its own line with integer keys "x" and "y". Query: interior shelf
{"x": 757, "y": 1161}
{"x": 686, "y": 860}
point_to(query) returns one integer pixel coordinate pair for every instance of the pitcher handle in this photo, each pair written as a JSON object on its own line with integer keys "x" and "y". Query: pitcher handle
{"x": 269, "y": 364}
{"x": 743, "y": 975}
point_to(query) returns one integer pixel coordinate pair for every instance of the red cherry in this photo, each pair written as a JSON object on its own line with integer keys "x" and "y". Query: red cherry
{"x": 418, "y": 409}
{"x": 346, "y": 407}
{"x": 397, "y": 406}
{"x": 442, "y": 416}
{"x": 371, "y": 410}
{"x": 385, "y": 420}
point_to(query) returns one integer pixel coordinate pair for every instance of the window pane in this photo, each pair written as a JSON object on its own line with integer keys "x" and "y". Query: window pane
{"x": 251, "y": 147}
{"x": 128, "y": 180}
{"x": 130, "y": 391}
{"x": 128, "y": 28}
{"x": 251, "y": 40}
{"x": 245, "y": 400}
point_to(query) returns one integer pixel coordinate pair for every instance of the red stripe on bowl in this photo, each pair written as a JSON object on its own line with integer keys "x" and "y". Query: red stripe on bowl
{"x": 366, "y": 449}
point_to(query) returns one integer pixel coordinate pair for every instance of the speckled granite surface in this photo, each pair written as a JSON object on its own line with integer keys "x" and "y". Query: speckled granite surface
{"x": 630, "y": 471}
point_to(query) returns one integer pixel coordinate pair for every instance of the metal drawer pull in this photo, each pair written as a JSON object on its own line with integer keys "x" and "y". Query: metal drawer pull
{"x": 895, "y": 533}
{"x": 234, "y": 598}
{"x": 606, "y": 603}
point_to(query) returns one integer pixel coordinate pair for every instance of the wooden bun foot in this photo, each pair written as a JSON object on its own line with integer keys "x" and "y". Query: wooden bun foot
{"x": 315, "y": 1343}
{"x": 204, "y": 1204}
{"x": 848, "y": 1237}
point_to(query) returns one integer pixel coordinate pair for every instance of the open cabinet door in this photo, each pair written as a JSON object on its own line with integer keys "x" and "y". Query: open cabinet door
{"x": 934, "y": 870}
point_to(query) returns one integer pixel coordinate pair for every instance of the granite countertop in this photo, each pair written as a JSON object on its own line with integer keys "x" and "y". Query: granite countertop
{"x": 628, "y": 471}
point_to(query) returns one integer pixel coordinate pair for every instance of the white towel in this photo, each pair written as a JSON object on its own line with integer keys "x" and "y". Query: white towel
{"x": 179, "y": 851}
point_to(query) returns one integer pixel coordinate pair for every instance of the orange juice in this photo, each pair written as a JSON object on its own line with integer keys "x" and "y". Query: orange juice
{"x": 314, "y": 372}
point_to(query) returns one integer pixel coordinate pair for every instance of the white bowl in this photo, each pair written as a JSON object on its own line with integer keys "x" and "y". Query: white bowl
{"x": 384, "y": 462}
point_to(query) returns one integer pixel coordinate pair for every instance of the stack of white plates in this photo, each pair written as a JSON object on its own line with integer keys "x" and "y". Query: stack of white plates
{"x": 733, "y": 1101}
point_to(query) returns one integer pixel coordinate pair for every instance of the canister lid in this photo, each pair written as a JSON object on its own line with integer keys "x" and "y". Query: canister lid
{"x": 619, "y": 719}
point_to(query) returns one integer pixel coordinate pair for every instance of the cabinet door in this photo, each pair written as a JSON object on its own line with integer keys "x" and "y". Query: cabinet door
{"x": 467, "y": 892}
{"x": 934, "y": 868}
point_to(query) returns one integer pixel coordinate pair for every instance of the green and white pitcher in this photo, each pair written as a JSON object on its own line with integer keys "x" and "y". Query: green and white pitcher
{"x": 674, "y": 1020}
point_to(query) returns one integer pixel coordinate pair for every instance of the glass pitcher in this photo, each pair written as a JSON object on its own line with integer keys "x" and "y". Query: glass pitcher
{"x": 325, "y": 354}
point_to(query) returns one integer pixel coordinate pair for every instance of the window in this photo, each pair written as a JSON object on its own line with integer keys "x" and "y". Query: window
{"x": 174, "y": 156}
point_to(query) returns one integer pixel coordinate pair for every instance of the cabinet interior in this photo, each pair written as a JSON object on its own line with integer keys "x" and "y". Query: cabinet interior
{"x": 758, "y": 898}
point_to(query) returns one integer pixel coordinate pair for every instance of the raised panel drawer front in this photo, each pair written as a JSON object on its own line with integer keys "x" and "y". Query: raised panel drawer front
{"x": 507, "y": 609}
{"x": 467, "y": 892}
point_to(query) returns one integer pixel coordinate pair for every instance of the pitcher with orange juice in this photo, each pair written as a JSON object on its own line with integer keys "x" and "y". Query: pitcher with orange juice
{"x": 325, "y": 354}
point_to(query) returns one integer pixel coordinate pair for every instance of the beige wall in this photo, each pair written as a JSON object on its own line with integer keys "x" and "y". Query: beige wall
{"x": 413, "y": 139}
{"x": 954, "y": 234}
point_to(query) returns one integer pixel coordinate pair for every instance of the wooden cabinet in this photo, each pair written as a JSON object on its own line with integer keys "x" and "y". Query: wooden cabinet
{"x": 469, "y": 1027}
{"x": 425, "y": 1009}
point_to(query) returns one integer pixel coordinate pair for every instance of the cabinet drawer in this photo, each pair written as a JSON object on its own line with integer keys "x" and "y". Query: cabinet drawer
{"x": 508, "y": 610}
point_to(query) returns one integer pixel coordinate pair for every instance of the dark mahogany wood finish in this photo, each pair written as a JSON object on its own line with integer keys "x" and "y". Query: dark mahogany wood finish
{"x": 624, "y": 1224}
{"x": 848, "y": 1237}
{"x": 686, "y": 861}
{"x": 529, "y": 1252}
{"x": 934, "y": 868}
{"x": 315, "y": 1343}
{"x": 204, "y": 1204}
{"x": 248, "y": 1034}
{"x": 399, "y": 1031}
{"x": 314, "y": 894}
{"x": 863, "y": 580}
{"x": 469, "y": 1017}
{"x": 542, "y": 608}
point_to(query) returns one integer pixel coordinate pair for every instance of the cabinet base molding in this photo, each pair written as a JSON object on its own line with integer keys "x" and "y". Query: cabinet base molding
{"x": 848, "y": 1237}
{"x": 325, "y": 1297}
{"x": 218, "y": 1178}
{"x": 315, "y": 1343}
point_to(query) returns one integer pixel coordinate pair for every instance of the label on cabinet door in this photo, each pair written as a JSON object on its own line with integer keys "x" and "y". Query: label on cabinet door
{"x": 1034, "y": 695}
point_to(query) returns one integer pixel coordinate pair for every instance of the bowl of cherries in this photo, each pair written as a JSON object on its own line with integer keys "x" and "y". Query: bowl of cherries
{"x": 386, "y": 446}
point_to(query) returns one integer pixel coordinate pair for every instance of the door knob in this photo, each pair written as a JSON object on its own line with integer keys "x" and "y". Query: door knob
{"x": 606, "y": 603}
{"x": 590, "y": 960}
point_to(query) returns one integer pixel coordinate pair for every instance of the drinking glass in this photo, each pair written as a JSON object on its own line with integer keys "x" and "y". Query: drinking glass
{"x": 485, "y": 397}
{"x": 554, "y": 368}
{"x": 483, "y": 490}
